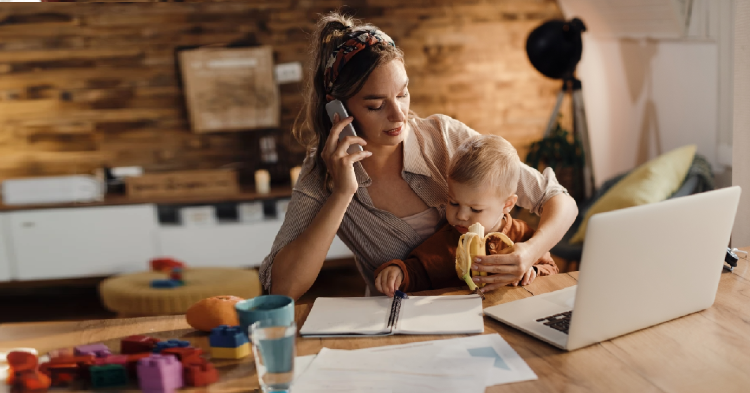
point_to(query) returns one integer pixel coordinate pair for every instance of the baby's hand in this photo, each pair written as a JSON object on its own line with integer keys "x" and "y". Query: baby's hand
{"x": 527, "y": 278}
{"x": 388, "y": 281}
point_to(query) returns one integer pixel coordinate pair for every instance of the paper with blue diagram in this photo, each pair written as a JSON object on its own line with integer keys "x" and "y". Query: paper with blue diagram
{"x": 497, "y": 361}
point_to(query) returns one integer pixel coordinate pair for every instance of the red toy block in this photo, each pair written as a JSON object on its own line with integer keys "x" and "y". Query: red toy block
{"x": 200, "y": 374}
{"x": 184, "y": 355}
{"x": 30, "y": 381}
{"x": 19, "y": 363}
{"x": 23, "y": 374}
{"x": 112, "y": 359}
{"x": 79, "y": 363}
{"x": 165, "y": 265}
{"x": 87, "y": 359}
{"x": 137, "y": 344}
{"x": 61, "y": 374}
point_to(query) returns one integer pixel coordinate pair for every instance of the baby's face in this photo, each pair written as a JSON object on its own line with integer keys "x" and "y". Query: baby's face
{"x": 470, "y": 204}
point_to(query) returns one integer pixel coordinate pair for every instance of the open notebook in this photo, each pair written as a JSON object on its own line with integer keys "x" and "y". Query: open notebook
{"x": 369, "y": 316}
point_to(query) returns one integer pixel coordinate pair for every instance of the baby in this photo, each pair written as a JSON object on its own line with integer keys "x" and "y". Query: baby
{"x": 482, "y": 180}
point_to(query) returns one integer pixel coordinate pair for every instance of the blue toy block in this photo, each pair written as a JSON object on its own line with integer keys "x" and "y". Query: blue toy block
{"x": 226, "y": 336}
{"x": 162, "y": 345}
{"x": 109, "y": 375}
{"x": 166, "y": 283}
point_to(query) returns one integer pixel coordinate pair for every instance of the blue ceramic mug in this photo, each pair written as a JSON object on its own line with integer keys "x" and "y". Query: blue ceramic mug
{"x": 278, "y": 309}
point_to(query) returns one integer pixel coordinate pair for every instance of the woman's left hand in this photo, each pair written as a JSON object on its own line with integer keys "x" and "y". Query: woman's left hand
{"x": 504, "y": 269}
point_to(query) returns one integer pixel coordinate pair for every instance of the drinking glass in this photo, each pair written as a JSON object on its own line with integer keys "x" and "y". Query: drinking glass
{"x": 274, "y": 350}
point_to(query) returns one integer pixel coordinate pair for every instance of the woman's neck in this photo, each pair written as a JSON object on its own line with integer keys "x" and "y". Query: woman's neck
{"x": 385, "y": 160}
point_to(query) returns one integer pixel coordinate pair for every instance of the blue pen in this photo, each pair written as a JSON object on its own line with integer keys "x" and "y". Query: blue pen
{"x": 401, "y": 294}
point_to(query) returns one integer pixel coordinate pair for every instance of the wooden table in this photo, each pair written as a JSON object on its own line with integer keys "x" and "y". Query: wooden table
{"x": 702, "y": 352}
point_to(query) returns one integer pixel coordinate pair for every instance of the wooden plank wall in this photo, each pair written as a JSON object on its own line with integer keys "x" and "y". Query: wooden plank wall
{"x": 85, "y": 85}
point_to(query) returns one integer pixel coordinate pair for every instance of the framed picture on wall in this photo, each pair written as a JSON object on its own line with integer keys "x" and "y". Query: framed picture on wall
{"x": 230, "y": 89}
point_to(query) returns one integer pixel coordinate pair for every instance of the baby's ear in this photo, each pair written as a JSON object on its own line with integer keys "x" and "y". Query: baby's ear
{"x": 510, "y": 203}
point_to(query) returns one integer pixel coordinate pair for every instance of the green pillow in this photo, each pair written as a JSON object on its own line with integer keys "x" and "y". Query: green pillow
{"x": 651, "y": 182}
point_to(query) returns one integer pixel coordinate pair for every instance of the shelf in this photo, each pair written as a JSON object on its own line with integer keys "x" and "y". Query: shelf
{"x": 245, "y": 195}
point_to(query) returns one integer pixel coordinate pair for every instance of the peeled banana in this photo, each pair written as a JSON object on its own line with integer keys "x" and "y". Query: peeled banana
{"x": 471, "y": 244}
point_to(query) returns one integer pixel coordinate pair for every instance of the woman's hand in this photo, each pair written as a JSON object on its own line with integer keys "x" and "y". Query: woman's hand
{"x": 389, "y": 280}
{"x": 504, "y": 269}
{"x": 339, "y": 163}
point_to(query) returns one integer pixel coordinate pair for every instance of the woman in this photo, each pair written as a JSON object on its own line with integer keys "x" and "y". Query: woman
{"x": 387, "y": 199}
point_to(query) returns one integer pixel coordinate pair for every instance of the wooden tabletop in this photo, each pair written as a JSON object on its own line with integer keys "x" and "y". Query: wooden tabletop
{"x": 703, "y": 352}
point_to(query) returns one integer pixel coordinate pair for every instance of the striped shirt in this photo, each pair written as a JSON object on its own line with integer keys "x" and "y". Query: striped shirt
{"x": 377, "y": 236}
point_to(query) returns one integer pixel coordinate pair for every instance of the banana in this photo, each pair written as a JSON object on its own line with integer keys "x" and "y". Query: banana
{"x": 472, "y": 244}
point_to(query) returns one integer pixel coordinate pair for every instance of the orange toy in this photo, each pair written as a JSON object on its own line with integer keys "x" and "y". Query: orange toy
{"x": 23, "y": 374}
{"x": 212, "y": 312}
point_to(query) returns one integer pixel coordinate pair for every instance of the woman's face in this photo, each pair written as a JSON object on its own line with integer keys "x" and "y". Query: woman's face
{"x": 471, "y": 204}
{"x": 381, "y": 107}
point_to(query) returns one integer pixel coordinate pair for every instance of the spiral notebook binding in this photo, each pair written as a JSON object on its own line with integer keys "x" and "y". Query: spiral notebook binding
{"x": 396, "y": 308}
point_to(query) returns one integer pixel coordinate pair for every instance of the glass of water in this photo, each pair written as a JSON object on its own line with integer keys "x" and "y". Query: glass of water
{"x": 274, "y": 350}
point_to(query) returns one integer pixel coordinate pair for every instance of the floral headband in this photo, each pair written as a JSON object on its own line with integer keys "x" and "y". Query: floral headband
{"x": 353, "y": 43}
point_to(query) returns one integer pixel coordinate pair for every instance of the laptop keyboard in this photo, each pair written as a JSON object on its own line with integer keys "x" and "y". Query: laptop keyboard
{"x": 559, "y": 321}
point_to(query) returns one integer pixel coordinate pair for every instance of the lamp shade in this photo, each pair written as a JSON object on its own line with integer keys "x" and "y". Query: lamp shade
{"x": 554, "y": 48}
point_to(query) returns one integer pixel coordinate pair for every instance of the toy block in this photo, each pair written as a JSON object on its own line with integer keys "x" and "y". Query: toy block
{"x": 4, "y": 367}
{"x": 30, "y": 381}
{"x": 108, "y": 375}
{"x": 98, "y": 350}
{"x": 23, "y": 374}
{"x": 61, "y": 352}
{"x": 114, "y": 359}
{"x": 64, "y": 369}
{"x": 231, "y": 353}
{"x": 137, "y": 344}
{"x": 165, "y": 265}
{"x": 200, "y": 374}
{"x": 159, "y": 374}
{"x": 87, "y": 358}
{"x": 162, "y": 345}
{"x": 225, "y": 336}
{"x": 176, "y": 274}
{"x": 61, "y": 374}
{"x": 184, "y": 355}
{"x": 20, "y": 361}
{"x": 165, "y": 284}
{"x": 4, "y": 352}
{"x": 132, "y": 364}
{"x": 66, "y": 364}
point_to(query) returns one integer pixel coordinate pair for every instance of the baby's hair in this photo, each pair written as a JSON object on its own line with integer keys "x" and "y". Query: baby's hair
{"x": 487, "y": 159}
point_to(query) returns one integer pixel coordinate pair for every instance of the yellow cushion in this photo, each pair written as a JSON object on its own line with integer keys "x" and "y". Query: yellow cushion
{"x": 132, "y": 295}
{"x": 651, "y": 182}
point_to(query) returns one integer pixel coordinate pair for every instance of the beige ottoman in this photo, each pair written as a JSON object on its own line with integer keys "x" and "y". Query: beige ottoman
{"x": 131, "y": 295}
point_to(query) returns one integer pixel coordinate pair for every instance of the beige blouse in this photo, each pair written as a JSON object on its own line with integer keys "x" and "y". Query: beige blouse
{"x": 425, "y": 223}
{"x": 377, "y": 236}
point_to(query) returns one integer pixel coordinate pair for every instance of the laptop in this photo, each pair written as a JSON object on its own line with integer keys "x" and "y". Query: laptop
{"x": 641, "y": 266}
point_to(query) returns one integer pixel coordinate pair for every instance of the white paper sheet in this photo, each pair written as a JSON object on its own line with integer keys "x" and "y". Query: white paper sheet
{"x": 507, "y": 365}
{"x": 341, "y": 369}
{"x": 441, "y": 315}
{"x": 341, "y": 317}
{"x": 363, "y": 315}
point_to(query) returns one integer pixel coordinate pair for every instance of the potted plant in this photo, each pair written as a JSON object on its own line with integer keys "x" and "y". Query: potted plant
{"x": 564, "y": 154}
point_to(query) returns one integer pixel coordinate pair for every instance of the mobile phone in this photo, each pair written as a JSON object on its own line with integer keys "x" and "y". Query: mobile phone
{"x": 335, "y": 107}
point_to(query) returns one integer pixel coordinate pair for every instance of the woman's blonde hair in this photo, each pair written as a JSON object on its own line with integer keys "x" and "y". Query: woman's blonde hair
{"x": 313, "y": 125}
{"x": 487, "y": 159}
